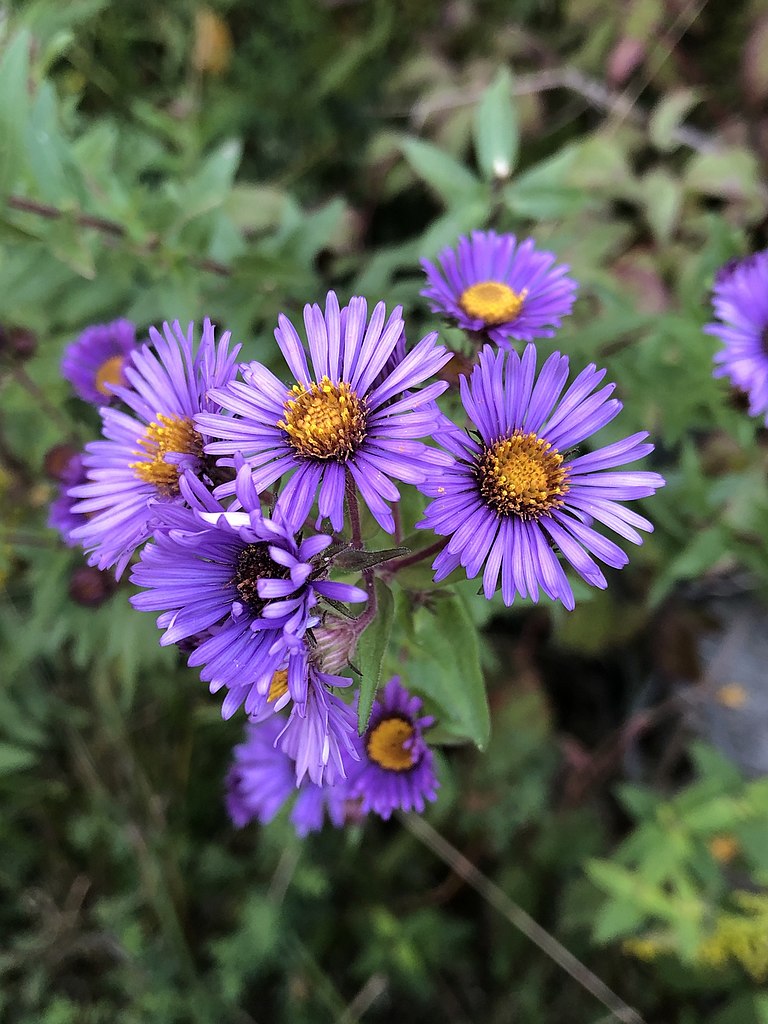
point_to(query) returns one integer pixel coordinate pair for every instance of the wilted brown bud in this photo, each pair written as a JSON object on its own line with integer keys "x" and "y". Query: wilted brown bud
{"x": 212, "y": 50}
{"x": 457, "y": 365}
{"x": 56, "y": 460}
{"x": 91, "y": 587}
{"x": 17, "y": 343}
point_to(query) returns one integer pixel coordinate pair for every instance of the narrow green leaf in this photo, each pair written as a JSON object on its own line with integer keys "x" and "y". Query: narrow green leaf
{"x": 14, "y": 759}
{"x": 14, "y": 109}
{"x": 352, "y": 558}
{"x": 211, "y": 185}
{"x": 497, "y": 138}
{"x": 371, "y": 650}
{"x": 668, "y": 115}
{"x": 447, "y": 178}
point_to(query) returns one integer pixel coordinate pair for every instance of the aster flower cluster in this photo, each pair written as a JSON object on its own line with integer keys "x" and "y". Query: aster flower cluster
{"x": 239, "y": 493}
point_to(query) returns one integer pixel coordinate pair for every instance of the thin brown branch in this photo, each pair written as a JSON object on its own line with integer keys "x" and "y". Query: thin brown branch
{"x": 521, "y": 920}
{"x": 109, "y": 228}
{"x": 596, "y": 93}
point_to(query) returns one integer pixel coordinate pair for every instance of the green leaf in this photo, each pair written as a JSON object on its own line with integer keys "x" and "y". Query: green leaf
{"x": 731, "y": 173}
{"x": 50, "y": 163}
{"x": 667, "y": 116}
{"x": 616, "y": 918}
{"x": 545, "y": 191}
{"x": 14, "y": 109}
{"x": 14, "y": 759}
{"x": 210, "y": 186}
{"x": 447, "y": 666}
{"x": 447, "y": 178}
{"x": 497, "y": 137}
{"x": 353, "y": 558}
{"x": 371, "y": 650}
{"x": 663, "y": 199}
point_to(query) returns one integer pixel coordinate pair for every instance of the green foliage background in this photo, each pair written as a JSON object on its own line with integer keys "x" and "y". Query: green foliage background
{"x": 174, "y": 162}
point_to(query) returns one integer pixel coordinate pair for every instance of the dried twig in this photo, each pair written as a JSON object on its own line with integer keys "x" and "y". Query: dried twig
{"x": 517, "y": 917}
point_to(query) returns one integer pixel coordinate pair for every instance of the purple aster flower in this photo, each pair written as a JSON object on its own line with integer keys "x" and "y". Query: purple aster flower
{"x": 740, "y": 300}
{"x": 137, "y": 466}
{"x": 95, "y": 363}
{"x": 492, "y": 284}
{"x": 321, "y": 733}
{"x": 518, "y": 493}
{"x": 337, "y": 420}
{"x": 262, "y": 780}
{"x": 396, "y": 770}
{"x": 244, "y": 577}
{"x": 60, "y": 515}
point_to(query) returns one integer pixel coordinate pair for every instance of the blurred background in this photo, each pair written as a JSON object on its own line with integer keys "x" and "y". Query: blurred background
{"x": 236, "y": 160}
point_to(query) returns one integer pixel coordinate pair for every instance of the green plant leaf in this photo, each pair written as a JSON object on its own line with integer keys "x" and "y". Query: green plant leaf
{"x": 497, "y": 138}
{"x": 14, "y": 109}
{"x": 667, "y": 116}
{"x": 14, "y": 759}
{"x": 371, "y": 650}
{"x": 448, "y": 179}
{"x": 446, "y": 663}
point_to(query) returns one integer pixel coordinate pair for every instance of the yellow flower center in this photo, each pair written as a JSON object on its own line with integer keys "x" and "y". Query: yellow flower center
{"x": 522, "y": 475}
{"x": 387, "y": 744}
{"x": 110, "y": 372}
{"x": 279, "y": 685}
{"x": 326, "y": 421}
{"x": 169, "y": 434}
{"x": 492, "y": 302}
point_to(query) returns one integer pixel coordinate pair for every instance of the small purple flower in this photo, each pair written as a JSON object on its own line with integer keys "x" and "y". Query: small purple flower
{"x": 60, "y": 515}
{"x": 396, "y": 770}
{"x": 262, "y": 780}
{"x": 740, "y": 300}
{"x": 341, "y": 419}
{"x": 245, "y": 578}
{"x": 518, "y": 492}
{"x": 320, "y": 735}
{"x": 138, "y": 464}
{"x": 95, "y": 363}
{"x": 492, "y": 284}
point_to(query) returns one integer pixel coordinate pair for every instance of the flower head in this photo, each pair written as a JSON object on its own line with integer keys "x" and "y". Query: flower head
{"x": 138, "y": 464}
{"x": 740, "y": 300}
{"x": 95, "y": 363}
{"x": 60, "y": 515}
{"x": 396, "y": 770}
{"x": 262, "y": 780}
{"x": 342, "y": 418}
{"x": 518, "y": 492}
{"x": 320, "y": 735}
{"x": 492, "y": 284}
{"x": 245, "y": 578}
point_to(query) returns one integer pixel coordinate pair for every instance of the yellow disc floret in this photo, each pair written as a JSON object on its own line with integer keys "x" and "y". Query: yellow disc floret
{"x": 389, "y": 744}
{"x": 279, "y": 685}
{"x": 324, "y": 421}
{"x": 492, "y": 302}
{"x": 110, "y": 372}
{"x": 168, "y": 434}
{"x": 522, "y": 475}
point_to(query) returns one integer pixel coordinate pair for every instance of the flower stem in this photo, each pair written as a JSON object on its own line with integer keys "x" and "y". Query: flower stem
{"x": 354, "y": 512}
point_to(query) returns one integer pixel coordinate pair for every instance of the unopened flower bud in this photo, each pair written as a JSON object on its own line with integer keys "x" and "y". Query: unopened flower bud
{"x": 17, "y": 343}
{"x": 90, "y": 587}
{"x": 336, "y": 641}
